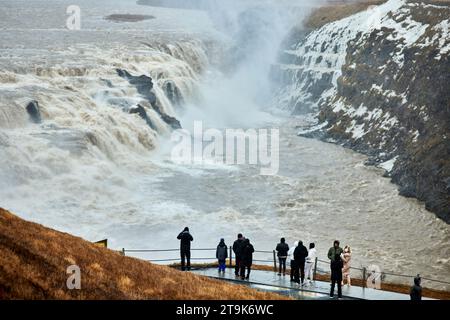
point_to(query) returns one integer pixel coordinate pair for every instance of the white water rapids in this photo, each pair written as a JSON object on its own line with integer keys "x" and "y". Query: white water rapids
{"x": 95, "y": 171}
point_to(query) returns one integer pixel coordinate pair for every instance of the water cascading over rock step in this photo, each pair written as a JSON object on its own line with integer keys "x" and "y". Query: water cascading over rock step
{"x": 144, "y": 86}
{"x": 34, "y": 111}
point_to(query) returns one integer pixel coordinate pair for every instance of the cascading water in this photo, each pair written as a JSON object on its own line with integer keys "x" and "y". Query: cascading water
{"x": 91, "y": 146}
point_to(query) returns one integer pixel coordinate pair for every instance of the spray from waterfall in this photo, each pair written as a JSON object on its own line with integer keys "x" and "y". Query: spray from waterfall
{"x": 239, "y": 91}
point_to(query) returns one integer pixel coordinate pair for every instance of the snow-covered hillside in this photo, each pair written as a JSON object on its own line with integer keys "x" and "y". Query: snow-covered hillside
{"x": 379, "y": 82}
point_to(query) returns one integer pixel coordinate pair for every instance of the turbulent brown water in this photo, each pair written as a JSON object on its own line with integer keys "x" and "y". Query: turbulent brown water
{"x": 322, "y": 192}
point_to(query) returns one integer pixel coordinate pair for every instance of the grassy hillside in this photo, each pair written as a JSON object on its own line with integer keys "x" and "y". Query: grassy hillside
{"x": 337, "y": 10}
{"x": 34, "y": 260}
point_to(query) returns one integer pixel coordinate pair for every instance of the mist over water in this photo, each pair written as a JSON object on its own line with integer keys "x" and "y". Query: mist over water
{"x": 97, "y": 171}
{"x": 238, "y": 93}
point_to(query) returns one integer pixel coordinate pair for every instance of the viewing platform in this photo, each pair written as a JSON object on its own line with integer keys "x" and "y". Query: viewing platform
{"x": 264, "y": 276}
{"x": 318, "y": 290}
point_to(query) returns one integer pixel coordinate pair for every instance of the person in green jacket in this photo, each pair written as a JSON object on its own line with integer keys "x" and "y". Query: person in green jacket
{"x": 334, "y": 250}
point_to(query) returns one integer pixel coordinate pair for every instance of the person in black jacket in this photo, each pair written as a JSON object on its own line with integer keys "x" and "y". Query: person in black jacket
{"x": 336, "y": 275}
{"x": 300, "y": 254}
{"x": 237, "y": 252}
{"x": 416, "y": 289}
{"x": 246, "y": 258}
{"x": 282, "y": 253}
{"x": 222, "y": 255}
{"x": 185, "y": 248}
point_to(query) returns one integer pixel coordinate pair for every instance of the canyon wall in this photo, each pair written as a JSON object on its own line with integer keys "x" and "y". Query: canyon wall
{"x": 379, "y": 82}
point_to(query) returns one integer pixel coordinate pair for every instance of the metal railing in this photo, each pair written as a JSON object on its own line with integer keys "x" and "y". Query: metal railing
{"x": 272, "y": 260}
{"x": 366, "y": 275}
{"x": 320, "y": 266}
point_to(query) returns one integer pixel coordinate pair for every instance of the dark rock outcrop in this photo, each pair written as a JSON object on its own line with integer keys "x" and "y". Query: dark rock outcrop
{"x": 128, "y": 17}
{"x": 144, "y": 86}
{"x": 34, "y": 111}
{"x": 390, "y": 98}
{"x": 140, "y": 111}
{"x": 171, "y": 121}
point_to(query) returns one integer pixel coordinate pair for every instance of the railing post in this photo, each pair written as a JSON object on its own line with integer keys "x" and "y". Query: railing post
{"x": 315, "y": 269}
{"x": 364, "y": 284}
{"x": 274, "y": 261}
{"x": 231, "y": 256}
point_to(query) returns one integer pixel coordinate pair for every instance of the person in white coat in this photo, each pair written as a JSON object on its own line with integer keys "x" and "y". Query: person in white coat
{"x": 346, "y": 257}
{"x": 309, "y": 263}
{"x": 291, "y": 258}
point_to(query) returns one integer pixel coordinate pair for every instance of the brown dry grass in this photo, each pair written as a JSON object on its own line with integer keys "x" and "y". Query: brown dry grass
{"x": 340, "y": 9}
{"x": 34, "y": 260}
{"x": 337, "y": 10}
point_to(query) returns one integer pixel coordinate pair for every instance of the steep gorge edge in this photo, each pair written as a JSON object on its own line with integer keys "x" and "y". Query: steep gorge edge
{"x": 380, "y": 87}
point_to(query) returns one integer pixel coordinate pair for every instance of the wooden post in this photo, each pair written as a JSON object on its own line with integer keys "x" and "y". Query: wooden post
{"x": 315, "y": 269}
{"x": 231, "y": 256}
{"x": 274, "y": 261}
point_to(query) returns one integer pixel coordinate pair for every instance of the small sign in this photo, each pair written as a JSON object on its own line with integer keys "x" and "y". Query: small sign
{"x": 102, "y": 243}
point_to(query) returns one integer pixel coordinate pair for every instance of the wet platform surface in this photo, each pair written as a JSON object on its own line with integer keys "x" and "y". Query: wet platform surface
{"x": 318, "y": 290}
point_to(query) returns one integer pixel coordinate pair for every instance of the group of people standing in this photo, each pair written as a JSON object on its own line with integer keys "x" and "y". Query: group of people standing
{"x": 243, "y": 251}
{"x": 302, "y": 260}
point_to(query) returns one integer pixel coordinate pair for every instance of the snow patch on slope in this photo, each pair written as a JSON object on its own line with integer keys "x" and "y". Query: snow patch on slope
{"x": 389, "y": 164}
{"x": 319, "y": 58}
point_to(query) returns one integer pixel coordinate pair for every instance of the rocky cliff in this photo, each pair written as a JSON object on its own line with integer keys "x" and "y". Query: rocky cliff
{"x": 379, "y": 83}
